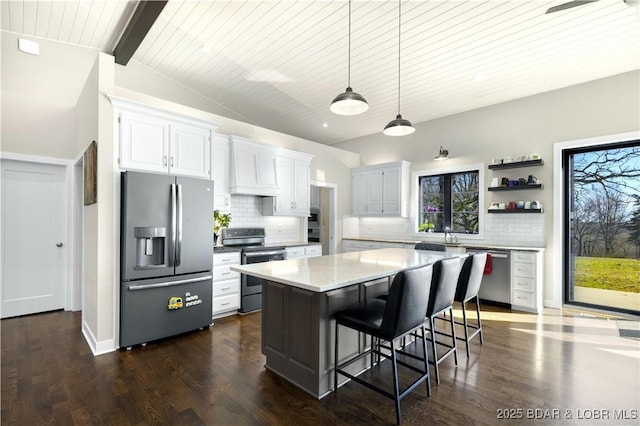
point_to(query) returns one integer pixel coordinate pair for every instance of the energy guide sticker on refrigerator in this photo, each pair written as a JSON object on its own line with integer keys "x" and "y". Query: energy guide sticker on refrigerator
{"x": 166, "y": 256}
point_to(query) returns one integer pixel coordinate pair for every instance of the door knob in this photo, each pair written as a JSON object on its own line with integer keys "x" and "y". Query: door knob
{"x": 58, "y": 244}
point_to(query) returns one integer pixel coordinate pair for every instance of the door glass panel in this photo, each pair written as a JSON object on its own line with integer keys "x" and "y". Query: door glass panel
{"x": 602, "y": 263}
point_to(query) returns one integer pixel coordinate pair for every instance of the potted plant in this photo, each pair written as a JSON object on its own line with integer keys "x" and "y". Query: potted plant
{"x": 426, "y": 227}
{"x": 220, "y": 220}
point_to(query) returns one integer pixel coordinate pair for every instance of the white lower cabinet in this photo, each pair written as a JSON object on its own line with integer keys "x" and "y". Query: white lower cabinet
{"x": 295, "y": 252}
{"x": 313, "y": 251}
{"x": 349, "y": 246}
{"x": 304, "y": 251}
{"x": 526, "y": 280}
{"x": 226, "y": 284}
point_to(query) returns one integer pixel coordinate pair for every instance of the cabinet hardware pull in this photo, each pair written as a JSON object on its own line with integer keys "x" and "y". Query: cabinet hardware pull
{"x": 225, "y": 288}
{"x": 164, "y": 161}
{"x": 225, "y": 303}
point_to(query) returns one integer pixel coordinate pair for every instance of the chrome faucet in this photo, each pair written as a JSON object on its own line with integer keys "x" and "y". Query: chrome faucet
{"x": 447, "y": 230}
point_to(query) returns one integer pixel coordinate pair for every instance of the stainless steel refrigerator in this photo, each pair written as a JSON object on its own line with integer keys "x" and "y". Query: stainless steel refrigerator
{"x": 166, "y": 243}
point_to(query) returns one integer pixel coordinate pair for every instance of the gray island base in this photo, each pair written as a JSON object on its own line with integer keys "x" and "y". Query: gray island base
{"x": 299, "y": 298}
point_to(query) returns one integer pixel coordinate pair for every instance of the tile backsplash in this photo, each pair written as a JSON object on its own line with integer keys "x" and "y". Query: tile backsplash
{"x": 526, "y": 230}
{"x": 246, "y": 211}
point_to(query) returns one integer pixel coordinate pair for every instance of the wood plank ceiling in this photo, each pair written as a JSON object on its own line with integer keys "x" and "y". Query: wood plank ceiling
{"x": 280, "y": 63}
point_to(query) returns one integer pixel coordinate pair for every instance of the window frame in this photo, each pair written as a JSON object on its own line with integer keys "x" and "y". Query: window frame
{"x": 415, "y": 199}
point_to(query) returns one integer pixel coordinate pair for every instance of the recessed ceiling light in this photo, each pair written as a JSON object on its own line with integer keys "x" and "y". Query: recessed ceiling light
{"x": 28, "y": 46}
{"x": 325, "y": 124}
{"x": 478, "y": 78}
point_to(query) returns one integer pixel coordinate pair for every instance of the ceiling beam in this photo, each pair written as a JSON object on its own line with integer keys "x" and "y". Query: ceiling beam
{"x": 141, "y": 21}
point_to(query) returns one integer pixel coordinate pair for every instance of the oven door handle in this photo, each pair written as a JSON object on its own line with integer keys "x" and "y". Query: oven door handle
{"x": 264, "y": 253}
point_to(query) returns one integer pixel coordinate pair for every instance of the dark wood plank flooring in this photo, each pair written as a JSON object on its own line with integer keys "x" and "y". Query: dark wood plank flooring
{"x": 573, "y": 363}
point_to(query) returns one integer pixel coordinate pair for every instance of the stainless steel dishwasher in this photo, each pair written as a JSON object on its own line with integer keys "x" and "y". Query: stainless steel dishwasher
{"x": 496, "y": 287}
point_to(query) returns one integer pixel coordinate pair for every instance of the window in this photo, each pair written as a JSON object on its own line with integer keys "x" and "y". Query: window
{"x": 449, "y": 200}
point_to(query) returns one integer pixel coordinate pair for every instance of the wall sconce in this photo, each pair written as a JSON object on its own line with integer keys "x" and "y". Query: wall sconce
{"x": 442, "y": 155}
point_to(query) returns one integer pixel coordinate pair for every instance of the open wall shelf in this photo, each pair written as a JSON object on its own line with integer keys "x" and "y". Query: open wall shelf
{"x": 515, "y": 210}
{"x": 516, "y": 164}
{"x": 516, "y": 187}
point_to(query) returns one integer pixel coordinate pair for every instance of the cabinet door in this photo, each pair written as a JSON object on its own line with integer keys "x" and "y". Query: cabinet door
{"x": 295, "y": 252}
{"x": 300, "y": 187}
{"x": 189, "y": 151}
{"x": 359, "y": 193}
{"x": 144, "y": 143}
{"x": 284, "y": 201}
{"x": 391, "y": 193}
{"x": 220, "y": 163}
{"x": 374, "y": 192}
{"x": 220, "y": 173}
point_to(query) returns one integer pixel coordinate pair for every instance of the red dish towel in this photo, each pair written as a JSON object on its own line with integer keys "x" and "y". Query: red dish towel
{"x": 487, "y": 266}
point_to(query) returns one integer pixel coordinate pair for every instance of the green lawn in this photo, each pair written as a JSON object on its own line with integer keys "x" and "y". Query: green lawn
{"x": 608, "y": 273}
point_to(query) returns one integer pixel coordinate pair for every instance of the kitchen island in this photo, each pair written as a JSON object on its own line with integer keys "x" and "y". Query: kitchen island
{"x": 299, "y": 298}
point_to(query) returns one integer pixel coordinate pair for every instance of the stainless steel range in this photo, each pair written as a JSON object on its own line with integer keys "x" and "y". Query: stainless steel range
{"x": 252, "y": 243}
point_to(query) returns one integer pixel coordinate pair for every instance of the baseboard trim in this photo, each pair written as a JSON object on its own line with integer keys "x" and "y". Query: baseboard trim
{"x": 97, "y": 348}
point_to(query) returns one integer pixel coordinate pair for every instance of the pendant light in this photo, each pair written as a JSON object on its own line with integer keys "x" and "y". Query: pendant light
{"x": 349, "y": 102}
{"x": 399, "y": 126}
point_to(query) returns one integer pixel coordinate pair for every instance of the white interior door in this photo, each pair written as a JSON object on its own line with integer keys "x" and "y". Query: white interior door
{"x": 33, "y": 237}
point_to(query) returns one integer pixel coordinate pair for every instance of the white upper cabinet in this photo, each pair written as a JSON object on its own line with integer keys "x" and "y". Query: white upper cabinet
{"x": 220, "y": 173}
{"x": 293, "y": 170}
{"x": 144, "y": 142}
{"x": 159, "y": 141}
{"x": 380, "y": 190}
{"x": 253, "y": 168}
{"x": 189, "y": 150}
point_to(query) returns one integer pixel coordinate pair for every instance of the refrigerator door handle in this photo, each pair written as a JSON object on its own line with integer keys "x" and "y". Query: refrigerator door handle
{"x": 168, "y": 283}
{"x": 179, "y": 226}
{"x": 173, "y": 223}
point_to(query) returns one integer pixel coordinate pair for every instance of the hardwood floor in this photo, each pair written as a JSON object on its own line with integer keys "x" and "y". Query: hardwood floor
{"x": 573, "y": 363}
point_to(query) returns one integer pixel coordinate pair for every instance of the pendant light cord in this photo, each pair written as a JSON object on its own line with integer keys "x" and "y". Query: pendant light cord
{"x": 349, "y": 60}
{"x": 399, "y": 13}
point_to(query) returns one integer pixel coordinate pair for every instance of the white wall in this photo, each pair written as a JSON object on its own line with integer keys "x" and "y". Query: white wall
{"x": 87, "y": 131}
{"x": 100, "y": 273}
{"x": 528, "y": 125}
{"x": 39, "y": 95}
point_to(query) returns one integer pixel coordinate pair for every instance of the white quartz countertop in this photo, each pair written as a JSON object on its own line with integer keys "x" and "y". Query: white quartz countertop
{"x": 465, "y": 244}
{"x": 325, "y": 273}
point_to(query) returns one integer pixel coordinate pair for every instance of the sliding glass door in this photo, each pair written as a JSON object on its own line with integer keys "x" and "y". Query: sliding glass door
{"x": 602, "y": 223}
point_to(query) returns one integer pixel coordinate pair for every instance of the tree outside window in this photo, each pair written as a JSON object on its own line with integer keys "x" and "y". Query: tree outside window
{"x": 450, "y": 200}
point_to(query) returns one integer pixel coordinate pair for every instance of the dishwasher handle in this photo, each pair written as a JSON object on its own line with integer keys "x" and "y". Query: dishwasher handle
{"x": 494, "y": 254}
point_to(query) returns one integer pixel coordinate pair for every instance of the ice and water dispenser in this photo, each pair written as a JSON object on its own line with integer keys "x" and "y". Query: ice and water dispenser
{"x": 150, "y": 247}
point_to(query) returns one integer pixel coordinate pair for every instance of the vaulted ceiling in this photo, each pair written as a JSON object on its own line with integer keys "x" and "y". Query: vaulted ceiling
{"x": 280, "y": 63}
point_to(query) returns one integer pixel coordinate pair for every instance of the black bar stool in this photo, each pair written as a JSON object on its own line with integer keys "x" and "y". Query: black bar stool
{"x": 402, "y": 313}
{"x": 443, "y": 290}
{"x": 467, "y": 290}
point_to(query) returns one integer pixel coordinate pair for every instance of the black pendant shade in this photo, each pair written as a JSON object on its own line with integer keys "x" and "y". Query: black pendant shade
{"x": 349, "y": 103}
{"x": 398, "y": 127}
